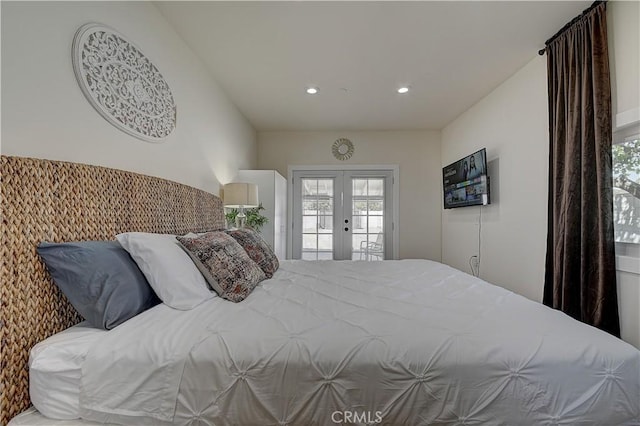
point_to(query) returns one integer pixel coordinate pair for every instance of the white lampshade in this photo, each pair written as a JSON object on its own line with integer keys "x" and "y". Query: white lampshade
{"x": 239, "y": 194}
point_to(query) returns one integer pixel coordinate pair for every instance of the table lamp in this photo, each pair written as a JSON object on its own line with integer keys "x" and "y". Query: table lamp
{"x": 239, "y": 195}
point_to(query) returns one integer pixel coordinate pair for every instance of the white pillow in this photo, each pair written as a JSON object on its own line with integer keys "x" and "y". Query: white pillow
{"x": 170, "y": 271}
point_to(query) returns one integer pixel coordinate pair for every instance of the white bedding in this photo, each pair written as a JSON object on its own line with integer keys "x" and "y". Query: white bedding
{"x": 32, "y": 417}
{"x": 413, "y": 342}
{"x": 55, "y": 367}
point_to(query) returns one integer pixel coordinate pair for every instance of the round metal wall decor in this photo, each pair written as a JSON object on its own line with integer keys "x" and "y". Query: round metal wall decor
{"x": 122, "y": 84}
{"x": 342, "y": 149}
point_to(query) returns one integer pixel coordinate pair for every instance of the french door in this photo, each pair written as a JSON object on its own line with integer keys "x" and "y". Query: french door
{"x": 342, "y": 215}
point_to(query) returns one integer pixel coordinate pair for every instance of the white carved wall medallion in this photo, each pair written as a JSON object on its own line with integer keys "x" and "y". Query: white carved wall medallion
{"x": 122, "y": 84}
{"x": 342, "y": 149}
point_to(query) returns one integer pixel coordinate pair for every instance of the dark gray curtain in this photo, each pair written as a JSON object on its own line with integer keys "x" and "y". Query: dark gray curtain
{"x": 580, "y": 277}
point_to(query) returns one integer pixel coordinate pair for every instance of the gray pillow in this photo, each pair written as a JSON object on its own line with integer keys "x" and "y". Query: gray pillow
{"x": 100, "y": 280}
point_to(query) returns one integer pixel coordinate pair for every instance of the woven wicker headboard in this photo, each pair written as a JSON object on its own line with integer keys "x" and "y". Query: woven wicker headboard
{"x": 59, "y": 201}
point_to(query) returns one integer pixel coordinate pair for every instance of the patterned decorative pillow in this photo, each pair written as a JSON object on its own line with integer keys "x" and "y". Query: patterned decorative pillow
{"x": 225, "y": 265}
{"x": 257, "y": 248}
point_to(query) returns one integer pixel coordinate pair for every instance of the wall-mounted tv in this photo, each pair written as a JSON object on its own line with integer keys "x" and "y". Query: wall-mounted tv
{"x": 466, "y": 182}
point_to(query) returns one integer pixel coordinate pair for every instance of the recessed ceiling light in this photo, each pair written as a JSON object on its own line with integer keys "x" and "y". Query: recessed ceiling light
{"x": 404, "y": 89}
{"x": 312, "y": 90}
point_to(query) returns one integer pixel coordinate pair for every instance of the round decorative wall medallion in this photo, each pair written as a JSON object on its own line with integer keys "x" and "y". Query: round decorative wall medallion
{"x": 342, "y": 149}
{"x": 122, "y": 84}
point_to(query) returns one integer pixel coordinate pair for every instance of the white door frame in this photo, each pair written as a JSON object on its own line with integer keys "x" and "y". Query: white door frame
{"x": 395, "y": 168}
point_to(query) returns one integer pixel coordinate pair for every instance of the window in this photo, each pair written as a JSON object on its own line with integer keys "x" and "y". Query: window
{"x": 626, "y": 191}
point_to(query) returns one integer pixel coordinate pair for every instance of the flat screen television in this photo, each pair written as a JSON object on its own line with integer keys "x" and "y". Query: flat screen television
{"x": 466, "y": 182}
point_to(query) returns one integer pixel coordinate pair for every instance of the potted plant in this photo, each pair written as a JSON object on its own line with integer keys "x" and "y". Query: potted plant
{"x": 254, "y": 219}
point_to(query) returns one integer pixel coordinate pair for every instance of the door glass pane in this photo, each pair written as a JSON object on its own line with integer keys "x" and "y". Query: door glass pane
{"x": 325, "y": 242}
{"x": 325, "y": 224}
{"x": 359, "y": 187}
{"x": 376, "y": 187}
{"x": 367, "y": 242}
{"x": 359, "y": 206}
{"x": 310, "y": 207}
{"x": 309, "y": 255}
{"x": 325, "y": 205}
{"x": 309, "y": 187}
{"x": 325, "y": 187}
{"x": 359, "y": 224}
{"x": 376, "y": 206}
{"x": 359, "y": 246}
{"x": 309, "y": 241}
{"x": 309, "y": 224}
{"x": 377, "y": 238}
{"x": 376, "y": 224}
{"x": 317, "y": 219}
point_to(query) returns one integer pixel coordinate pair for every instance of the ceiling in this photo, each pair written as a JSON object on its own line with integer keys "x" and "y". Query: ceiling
{"x": 451, "y": 54}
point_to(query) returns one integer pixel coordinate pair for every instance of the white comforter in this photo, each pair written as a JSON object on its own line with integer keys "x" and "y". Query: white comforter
{"x": 402, "y": 342}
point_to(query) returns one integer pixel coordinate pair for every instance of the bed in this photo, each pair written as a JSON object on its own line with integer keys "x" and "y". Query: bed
{"x": 45, "y": 200}
{"x": 396, "y": 342}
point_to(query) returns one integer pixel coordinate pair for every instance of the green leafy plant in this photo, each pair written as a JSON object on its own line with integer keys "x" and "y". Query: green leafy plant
{"x": 254, "y": 219}
{"x": 626, "y": 166}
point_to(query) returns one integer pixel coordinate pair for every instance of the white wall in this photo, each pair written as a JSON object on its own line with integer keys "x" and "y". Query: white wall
{"x": 623, "y": 31}
{"x": 511, "y": 122}
{"x": 416, "y": 152}
{"x": 45, "y": 115}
